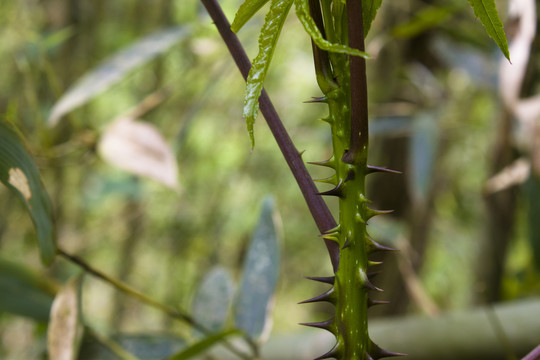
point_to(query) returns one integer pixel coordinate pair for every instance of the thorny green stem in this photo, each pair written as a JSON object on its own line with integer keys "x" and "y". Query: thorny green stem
{"x": 318, "y": 208}
{"x": 173, "y": 313}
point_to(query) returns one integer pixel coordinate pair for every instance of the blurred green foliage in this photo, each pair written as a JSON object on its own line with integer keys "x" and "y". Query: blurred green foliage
{"x": 164, "y": 243}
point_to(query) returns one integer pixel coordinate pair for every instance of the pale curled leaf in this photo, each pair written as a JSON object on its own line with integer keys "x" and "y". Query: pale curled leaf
{"x": 246, "y": 12}
{"x": 267, "y": 43}
{"x": 20, "y": 174}
{"x": 64, "y": 332}
{"x": 486, "y": 11}
{"x": 115, "y": 69}
{"x": 259, "y": 277}
{"x": 302, "y": 11}
{"x": 139, "y": 148}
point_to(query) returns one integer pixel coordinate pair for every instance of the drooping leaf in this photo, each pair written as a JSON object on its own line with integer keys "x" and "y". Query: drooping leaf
{"x": 64, "y": 333}
{"x": 486, "y": 11}
{"x": 139, "y": 148}
{"x": 369, "y": 11}
{"x": 25, "y": 292}
{"x": 259, "y": 276}
{"x": 302, "y": 11}
{"x": 203, "y": 345}
{"x": 267, "y": 43}
{"x": 20, "y": 174}
{"x": 246, "y": 12}
{"x": 115, "y": 69}
{"x": 213, "y": 299}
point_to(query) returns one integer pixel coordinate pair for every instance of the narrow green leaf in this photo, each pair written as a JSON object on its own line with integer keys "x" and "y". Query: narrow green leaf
{"x": 64, "y": 332}
{"x": 246, "y": 12}
{"x": 115, "y": 69}
{"x": 213, "y": 299}
{"x": 20, "y": 174}
{"x": 302, "y": 11}
{"x": 486, "y": 11}
{"x": 204, "y": 345}
{"x": 267, "y": 44}
{"x": 369, "y": 11}
{"x": 259, "y": 276}
{"x": 24, "y": 291}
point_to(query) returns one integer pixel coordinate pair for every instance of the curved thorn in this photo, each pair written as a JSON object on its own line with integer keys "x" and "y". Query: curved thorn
{"x": 373, "y": 246}
{"x": 327, "y": 325}
{"x": 335, "y": 352}
{"x": 337, "y": 191}
{"x": 327, "y": 163}
{"x": 328, "y": 296}
{"x": 367, "y": 284}
{"x": 377, "y": 353}
{"x": 350, "y": 175}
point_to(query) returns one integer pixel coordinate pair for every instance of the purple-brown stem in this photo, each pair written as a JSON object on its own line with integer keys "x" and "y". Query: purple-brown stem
{"x": 359, "y": 105}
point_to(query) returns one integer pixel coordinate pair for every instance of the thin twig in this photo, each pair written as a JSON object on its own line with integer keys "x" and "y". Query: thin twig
{"x": 319, "y": 211}
{"x": 170, "y": 311}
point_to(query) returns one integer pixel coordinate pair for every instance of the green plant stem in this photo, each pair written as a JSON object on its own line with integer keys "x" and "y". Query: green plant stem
{"x": 170, "y": 311}
{"x": 318, "y": 208}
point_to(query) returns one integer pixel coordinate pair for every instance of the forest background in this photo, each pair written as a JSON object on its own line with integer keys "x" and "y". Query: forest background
{"x": 442, "y": 111}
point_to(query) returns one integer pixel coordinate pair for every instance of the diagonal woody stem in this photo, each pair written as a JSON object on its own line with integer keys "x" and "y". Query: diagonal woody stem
{"x": 318, "y": 208}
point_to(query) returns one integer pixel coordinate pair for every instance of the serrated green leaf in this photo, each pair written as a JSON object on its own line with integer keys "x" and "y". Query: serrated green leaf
{"x": 259, "y": 275}
{"x": 20, "y": 174}
{"x": 25, "y": 292}
{"x": 204, "y": 345}
{"x": 114, "y": 69}
{"x": 267, "y": 44}
{"x": 246, "y": 12}
{"x": 486, "y": 11}
{"x": 302, "y": 11}
{"x": 213, "y": 299}
{"x": 369, "y": 11}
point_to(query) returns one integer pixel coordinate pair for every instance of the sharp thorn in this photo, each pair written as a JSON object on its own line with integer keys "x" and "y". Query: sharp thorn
{"x": 335, "y": 352}
{"x": 377, "y": 353}
{"x": 333, "y": 230}
{"x": 347, "y": 243}
{"x": 328, "y": 296}
{"x": 321, "y": 99}
{"x": 367, "y": 284}
{"x": 326, "y": 325}
{"x": 337, "y": 191}
{"x": 374, "y": 169}
{"x": 350, "y": 175}
{"x": 327, "y": 280}
{"x": 328, "y": 163}
{"x": 373, "y": 246}
{"x": 377, "y": 302}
